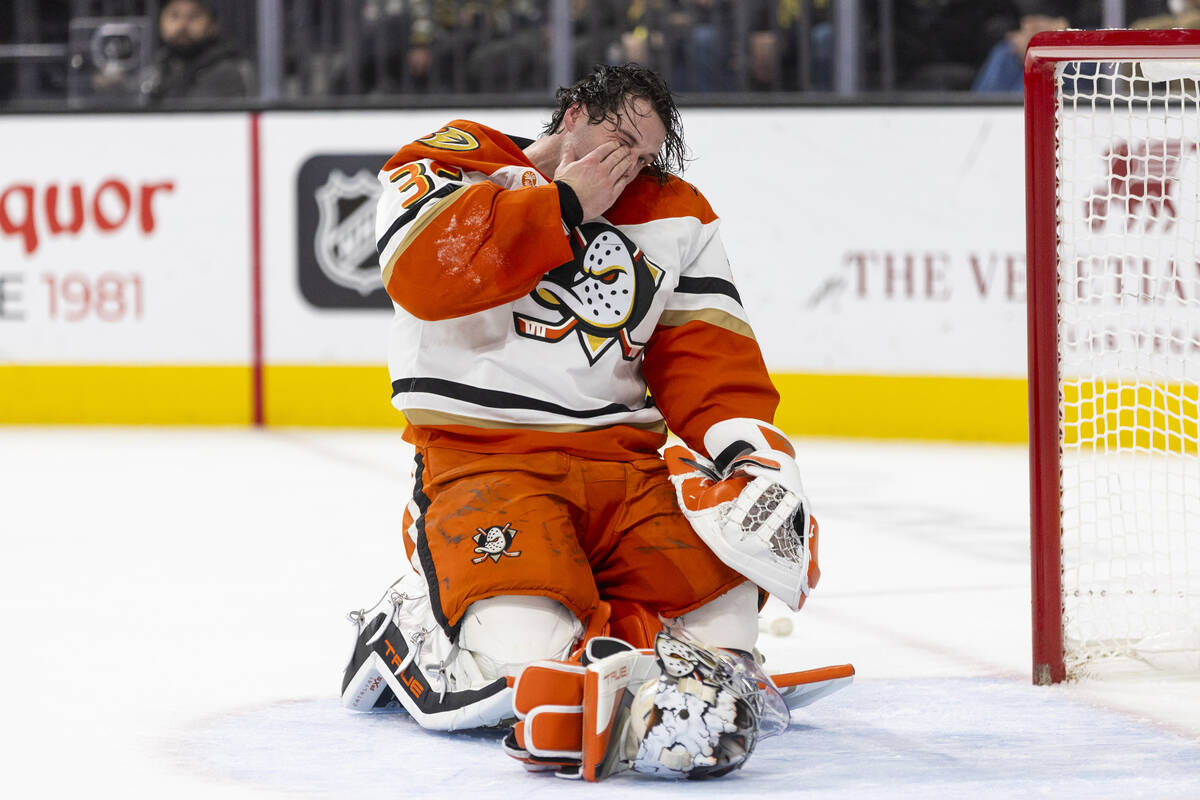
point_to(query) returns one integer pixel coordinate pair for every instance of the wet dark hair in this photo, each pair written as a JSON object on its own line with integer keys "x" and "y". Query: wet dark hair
{"x": 607, "y": 91}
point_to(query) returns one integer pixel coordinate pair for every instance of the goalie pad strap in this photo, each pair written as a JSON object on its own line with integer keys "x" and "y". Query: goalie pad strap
{"x": 729, "y": 438}
{"x": 547, "y": 683}
{"x": 569, "y": 712}
{"x": 554, "y": 732}
{"x": 723, "y": 459}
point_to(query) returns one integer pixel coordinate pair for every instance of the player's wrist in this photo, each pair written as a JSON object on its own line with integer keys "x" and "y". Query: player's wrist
{"x": 569, "y": 206}
{"x": 728, "y": 439}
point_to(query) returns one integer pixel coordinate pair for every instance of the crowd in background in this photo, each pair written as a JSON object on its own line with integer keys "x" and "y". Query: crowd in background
{"x": 158, "y": 52}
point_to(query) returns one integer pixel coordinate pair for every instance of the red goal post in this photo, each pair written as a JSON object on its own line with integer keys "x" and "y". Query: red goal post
{"x": 1112, "y": 122}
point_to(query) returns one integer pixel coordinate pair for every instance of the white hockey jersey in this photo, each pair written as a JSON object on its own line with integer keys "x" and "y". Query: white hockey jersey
{"x": 514, "y": 334}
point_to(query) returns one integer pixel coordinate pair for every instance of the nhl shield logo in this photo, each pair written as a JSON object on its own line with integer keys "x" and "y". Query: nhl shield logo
{"x": 494, "y": 542}
{"x": 344, "y": 243}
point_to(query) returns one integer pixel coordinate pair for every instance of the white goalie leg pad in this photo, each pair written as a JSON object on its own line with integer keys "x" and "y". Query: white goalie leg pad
{"x": 729, "y": 621}
{"x": 506, "y": 633}
{"x": 402, "y": 655}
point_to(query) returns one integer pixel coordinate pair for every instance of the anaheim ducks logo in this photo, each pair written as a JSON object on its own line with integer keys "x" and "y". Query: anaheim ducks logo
{"x": 449, "y": 138}
{"x": 494, "y": 542}
{"x": 600, "y": 295}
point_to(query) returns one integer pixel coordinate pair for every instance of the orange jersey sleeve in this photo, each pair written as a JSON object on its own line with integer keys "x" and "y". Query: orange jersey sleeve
{"x": 702, "y": 365}
{"x": 453, "y": 237}
{"x": 701, "y": 373}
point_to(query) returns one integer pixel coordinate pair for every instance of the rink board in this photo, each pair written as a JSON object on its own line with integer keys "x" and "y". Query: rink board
{"x": 879, "y": 255}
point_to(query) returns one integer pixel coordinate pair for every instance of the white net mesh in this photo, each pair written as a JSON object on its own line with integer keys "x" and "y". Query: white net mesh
{"x": 1128, "y": 143}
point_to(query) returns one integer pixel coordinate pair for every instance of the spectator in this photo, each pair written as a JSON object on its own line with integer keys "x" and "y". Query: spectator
{"x": 600, "y": 28}
{"x": 482, "y": 45}
{"x": 194, "y": 62}
{"x": 39, "y": 78}
{"x": 509, "y": 46}
{"x": 700, "y": 61}
{"x": 773, "y": 58}
{"x": 1183, "y": 14}
{"x": 693, "y": 42}
{"x": 941, "y": 43}
{"x": 1004, "y": 68}
{"x": 443, "y": 35}
{"x": 434, "y": 50}
{"x": 687, "y": 40}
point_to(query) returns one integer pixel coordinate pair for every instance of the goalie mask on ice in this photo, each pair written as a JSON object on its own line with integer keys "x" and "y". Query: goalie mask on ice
{"x": 704, "y": 714}
{"x": 683, "y": 710}
{"x": 753, "y": 515}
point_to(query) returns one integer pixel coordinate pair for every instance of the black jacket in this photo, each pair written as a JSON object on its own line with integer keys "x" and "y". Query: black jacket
{"x": 215, "y": 72}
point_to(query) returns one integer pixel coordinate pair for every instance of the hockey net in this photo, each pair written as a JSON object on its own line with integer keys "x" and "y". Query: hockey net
{"x": 1113, "y": 146}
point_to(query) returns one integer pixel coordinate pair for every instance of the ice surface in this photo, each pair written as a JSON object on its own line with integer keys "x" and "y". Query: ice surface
{"x": 173, "y": 609}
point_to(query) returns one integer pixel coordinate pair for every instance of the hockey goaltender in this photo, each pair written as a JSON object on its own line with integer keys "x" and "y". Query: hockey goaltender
{"x": 559, "y": 303}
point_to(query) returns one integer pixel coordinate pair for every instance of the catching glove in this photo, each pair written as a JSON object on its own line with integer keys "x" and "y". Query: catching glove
{"x": 749, "y": 506}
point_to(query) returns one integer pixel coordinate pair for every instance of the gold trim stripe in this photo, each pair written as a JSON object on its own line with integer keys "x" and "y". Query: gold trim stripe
{"x": 721, "y": 319}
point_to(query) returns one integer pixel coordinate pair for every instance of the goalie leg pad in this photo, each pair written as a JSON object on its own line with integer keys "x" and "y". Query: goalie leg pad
{"x": 729, "y": 621}
{"x": 681, "y": 710}
{"x": 507, "y": 632}
{"x": 634, "y": 623}
{"x": 548, "y": 683}
{"x": 402, "y": 655}
{"x": 548, "y": 702}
